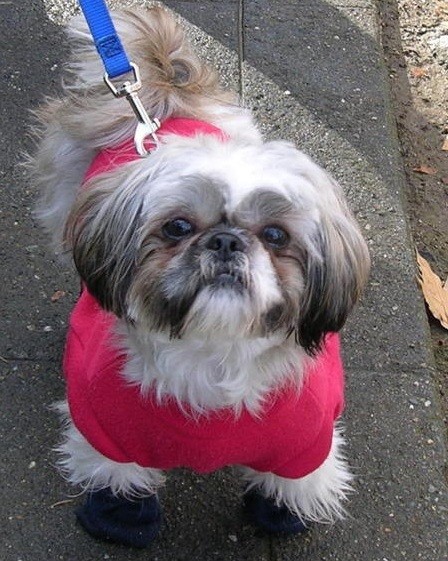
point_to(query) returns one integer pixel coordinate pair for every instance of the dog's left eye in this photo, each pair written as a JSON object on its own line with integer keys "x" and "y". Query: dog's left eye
{"x": 275, "y": 237}
{"x": 177, "y": 229}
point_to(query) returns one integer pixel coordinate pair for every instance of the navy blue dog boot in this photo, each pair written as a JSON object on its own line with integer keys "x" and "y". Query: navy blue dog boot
{"x": 129, "y": 522}
{"x": 266, "y": 515}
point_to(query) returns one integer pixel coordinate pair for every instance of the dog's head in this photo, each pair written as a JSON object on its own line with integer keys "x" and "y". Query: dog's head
{"x": 221, "y": 239}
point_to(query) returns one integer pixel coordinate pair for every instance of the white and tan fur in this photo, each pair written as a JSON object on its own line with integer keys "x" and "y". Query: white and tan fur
{"x": 222, "y": 352}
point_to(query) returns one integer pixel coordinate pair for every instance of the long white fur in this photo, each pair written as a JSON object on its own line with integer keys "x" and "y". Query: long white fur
{"x": 214, "y": 373}
{"x": 205, "y": 371}
{"x": 317, "y": 497}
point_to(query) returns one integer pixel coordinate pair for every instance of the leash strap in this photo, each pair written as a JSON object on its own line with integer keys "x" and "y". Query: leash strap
{"x": 116, "y": 63}
{"x": 105, "y": 37}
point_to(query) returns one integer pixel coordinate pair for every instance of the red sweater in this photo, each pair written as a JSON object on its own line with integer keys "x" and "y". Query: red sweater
{"x": 291, "y": 438}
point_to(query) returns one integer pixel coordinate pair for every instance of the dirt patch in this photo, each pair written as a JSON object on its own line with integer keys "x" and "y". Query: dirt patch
{"x": 415, "y": 42}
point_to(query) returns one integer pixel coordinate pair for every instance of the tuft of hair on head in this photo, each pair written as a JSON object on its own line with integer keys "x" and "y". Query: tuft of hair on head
{"x": 175, "y": 82}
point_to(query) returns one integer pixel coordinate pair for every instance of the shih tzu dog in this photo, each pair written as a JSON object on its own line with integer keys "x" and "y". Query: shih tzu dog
{"x": 216, "y": 273}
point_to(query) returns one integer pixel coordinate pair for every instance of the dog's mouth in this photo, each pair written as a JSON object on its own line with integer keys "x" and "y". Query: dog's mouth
{"x": 226, "y": 278}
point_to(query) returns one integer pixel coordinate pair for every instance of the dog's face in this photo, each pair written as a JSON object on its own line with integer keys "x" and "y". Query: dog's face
{"x": 220, "y": 239}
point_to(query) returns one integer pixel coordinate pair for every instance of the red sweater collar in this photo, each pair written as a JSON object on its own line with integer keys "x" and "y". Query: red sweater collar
{"x": 111, "y": 158}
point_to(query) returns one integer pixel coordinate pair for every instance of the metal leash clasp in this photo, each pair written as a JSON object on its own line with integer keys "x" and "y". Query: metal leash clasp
{"x": 145, "y": 126}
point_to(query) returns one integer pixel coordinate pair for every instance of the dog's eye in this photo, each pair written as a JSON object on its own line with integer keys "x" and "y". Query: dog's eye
{"x": 177, "y": 229}
{"x": 275, "y": 237}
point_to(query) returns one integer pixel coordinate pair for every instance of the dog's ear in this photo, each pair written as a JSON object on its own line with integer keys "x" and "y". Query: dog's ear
{"x": 102, "y": 232}
{"x": 336, "y": 272}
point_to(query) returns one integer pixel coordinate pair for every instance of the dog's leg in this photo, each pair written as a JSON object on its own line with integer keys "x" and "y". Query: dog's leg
{"x": 121, "y": 503}
{"x": 280, "y": 505}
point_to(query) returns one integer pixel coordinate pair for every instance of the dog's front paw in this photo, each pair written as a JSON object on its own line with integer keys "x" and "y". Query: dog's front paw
{"x": 264, "y": 513}
{"x": 129, "y": 522}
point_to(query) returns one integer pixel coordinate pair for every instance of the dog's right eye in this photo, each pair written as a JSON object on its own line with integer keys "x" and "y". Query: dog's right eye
{"x": 177, "y": 229}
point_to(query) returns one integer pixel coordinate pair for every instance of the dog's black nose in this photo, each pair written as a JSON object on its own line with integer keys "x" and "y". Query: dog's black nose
{"x": 225, "y": 245}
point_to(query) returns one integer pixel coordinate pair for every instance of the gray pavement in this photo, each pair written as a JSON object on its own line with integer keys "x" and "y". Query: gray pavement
{"x": 313, "y": 74}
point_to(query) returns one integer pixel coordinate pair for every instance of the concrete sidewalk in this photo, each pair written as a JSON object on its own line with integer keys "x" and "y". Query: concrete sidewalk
{"x": 314, "y": 75}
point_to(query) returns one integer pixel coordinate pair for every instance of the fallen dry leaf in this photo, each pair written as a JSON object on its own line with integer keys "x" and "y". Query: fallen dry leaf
{"x": 445, "y": 144}
{"x": 57, "y": 295}
{"x": 419, "y": 72}
{"x": 435, "y": 294}
{"x": 427, "y": 170}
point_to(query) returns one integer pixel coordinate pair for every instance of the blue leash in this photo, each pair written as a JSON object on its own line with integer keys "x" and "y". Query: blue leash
{"x": 105, "y": 37}
{"x": 116, "y": 64}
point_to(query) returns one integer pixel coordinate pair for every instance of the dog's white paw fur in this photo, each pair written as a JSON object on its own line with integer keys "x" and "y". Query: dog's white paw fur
{"x": 317, "y": 497}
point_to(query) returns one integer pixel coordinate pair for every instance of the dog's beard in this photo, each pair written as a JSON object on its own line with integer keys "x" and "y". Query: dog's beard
{"x": 198, "y": 294}
{"x": 222, "y": 300}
